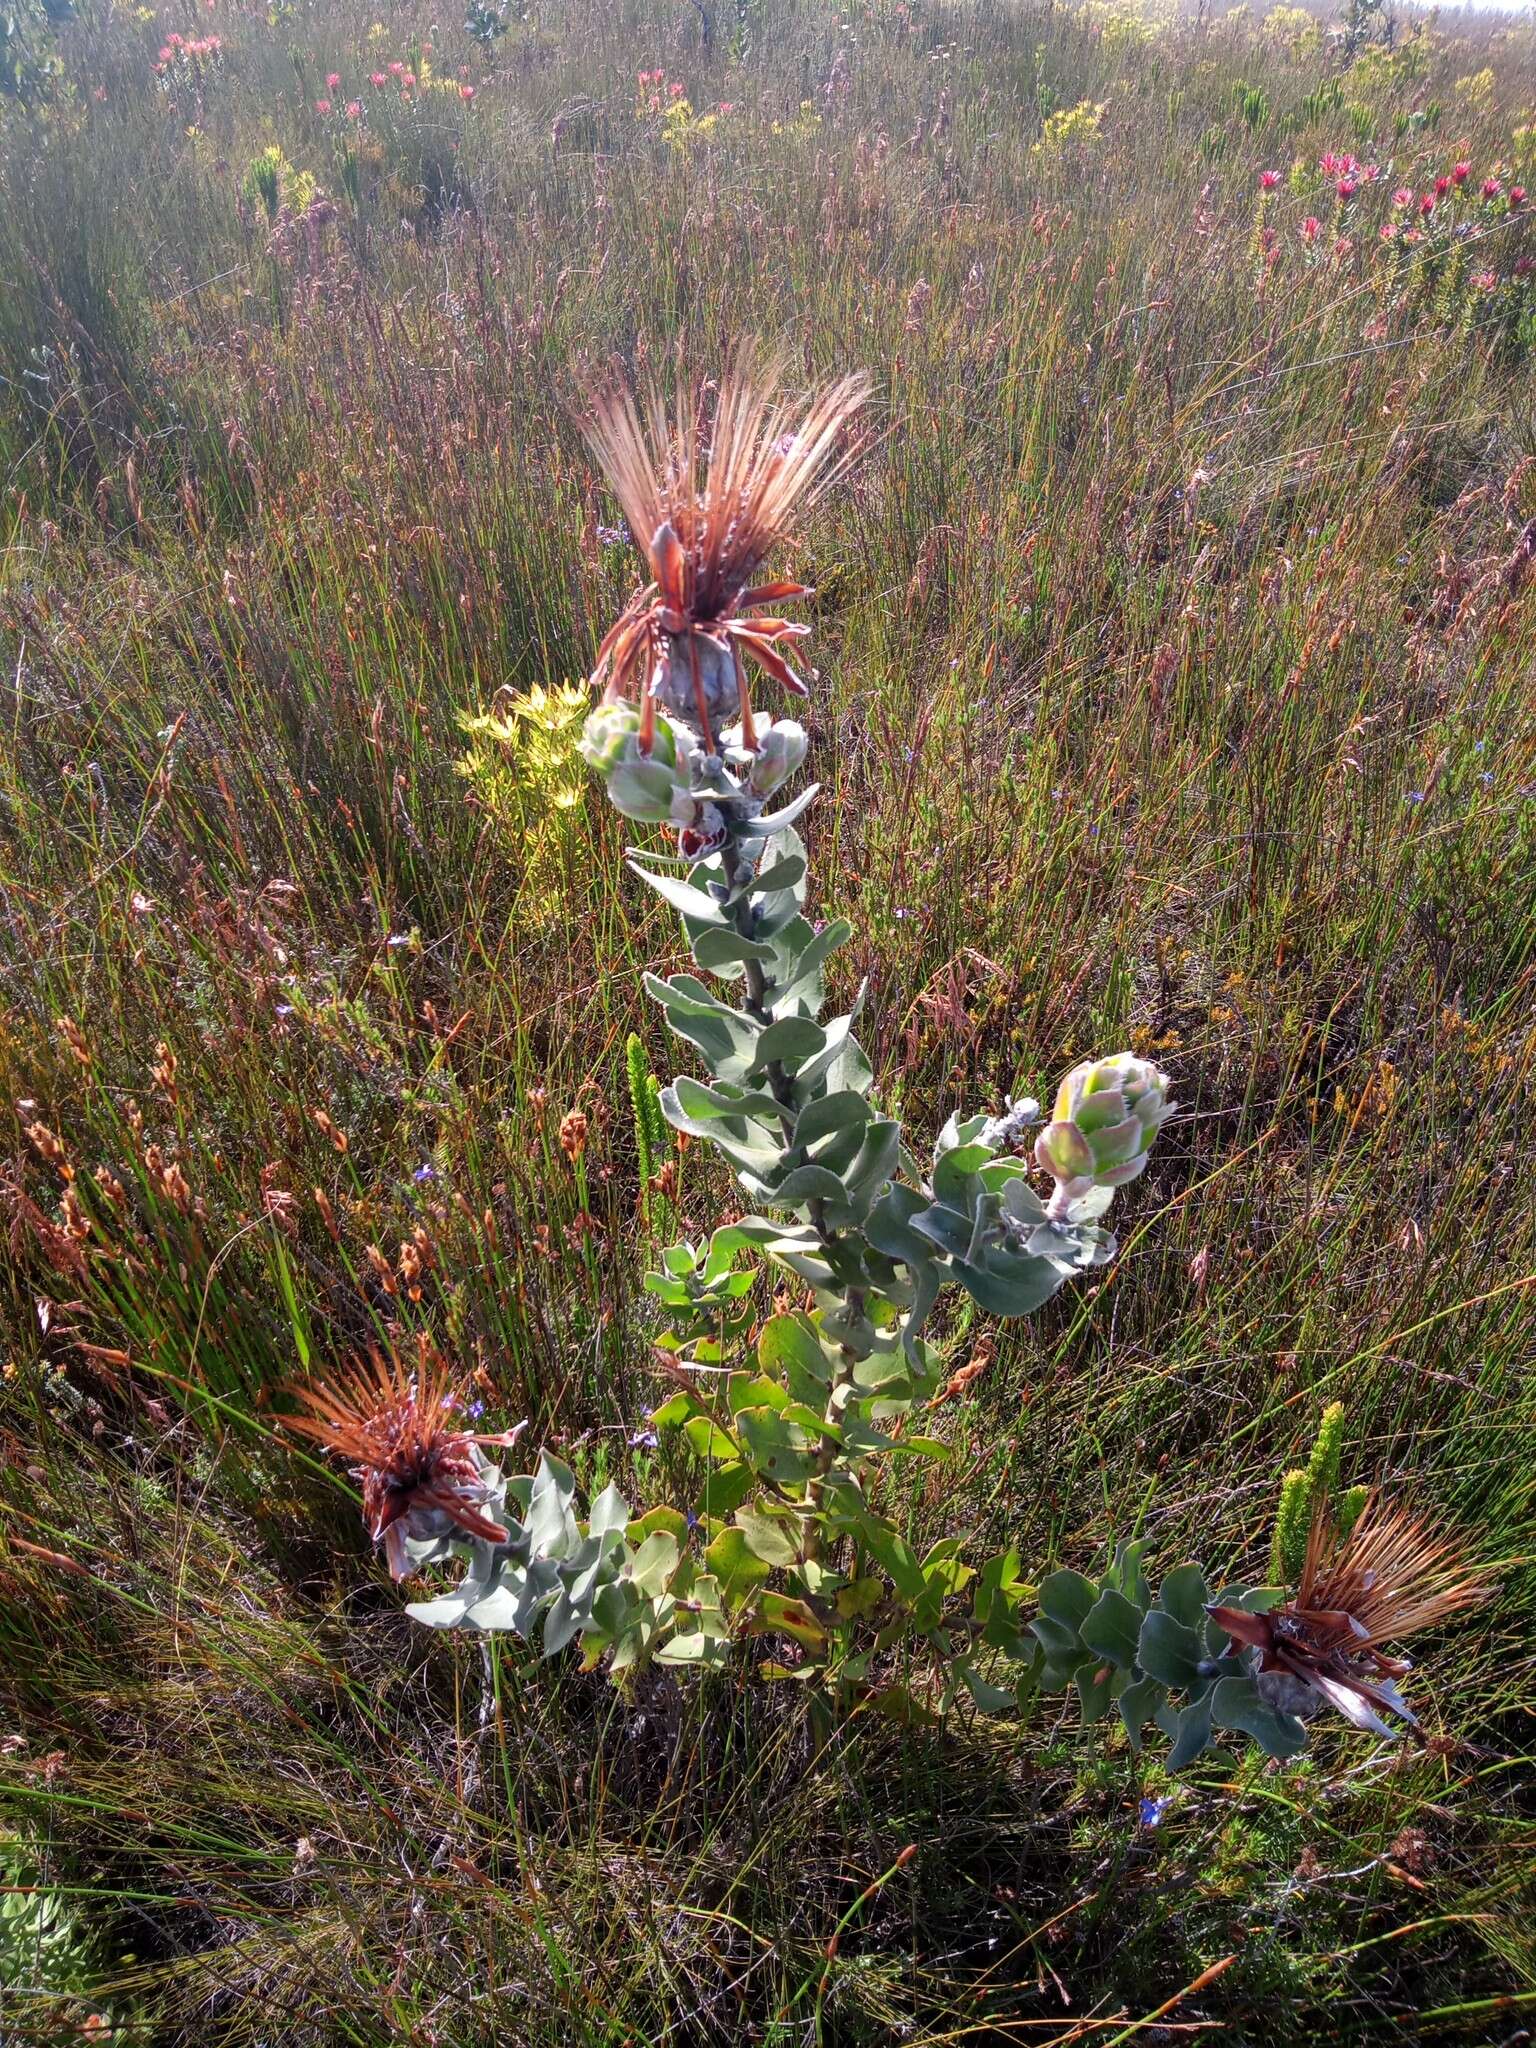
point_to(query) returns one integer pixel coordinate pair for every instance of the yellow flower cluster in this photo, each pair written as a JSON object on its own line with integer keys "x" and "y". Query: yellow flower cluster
{"x": 525, "y": 774}
{"x": 1072, "y": 128}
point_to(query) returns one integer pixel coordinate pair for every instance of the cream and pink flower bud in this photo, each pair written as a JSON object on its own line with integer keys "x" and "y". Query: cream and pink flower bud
{"x": 1106, "y": 1115}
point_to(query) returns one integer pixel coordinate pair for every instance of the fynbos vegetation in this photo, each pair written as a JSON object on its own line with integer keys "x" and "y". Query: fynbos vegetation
{"x": 523, "y": 1088}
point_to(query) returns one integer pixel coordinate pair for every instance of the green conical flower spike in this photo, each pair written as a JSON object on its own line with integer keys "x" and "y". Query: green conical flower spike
{"x": 654, "y": 785}
{"x": 1107, "y": 1113}
{"x": 1288, "y": 1551}
{"x": 1323, "y": 1466}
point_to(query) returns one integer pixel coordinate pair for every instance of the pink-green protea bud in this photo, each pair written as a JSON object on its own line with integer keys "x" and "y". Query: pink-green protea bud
{"x": 645, "y": 786}
{"x": 1107, "y": 1113}
{"x": 781, "y": 747}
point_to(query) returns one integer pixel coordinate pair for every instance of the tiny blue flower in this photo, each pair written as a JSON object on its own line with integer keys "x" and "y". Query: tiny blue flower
{"x": 1152, "y": 1811}
{"x": 1486, "y": 778}
{"x": 1414, "y": 796}
{"x": 425, "y": 1172}
{"x": 285, "y": 1009}
{"x": 643, "y": 1440}
{"x": 477, "y": 1409}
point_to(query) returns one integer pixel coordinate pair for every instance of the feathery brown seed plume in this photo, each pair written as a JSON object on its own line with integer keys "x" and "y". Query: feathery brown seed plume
{"x": 420, "y": 1474}
{"x": 1390, "y": 1576}
{"x": 705, "y": 519}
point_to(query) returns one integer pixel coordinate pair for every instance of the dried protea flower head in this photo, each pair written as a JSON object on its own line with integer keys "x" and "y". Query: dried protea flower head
{"x": 706, "y": 508}
{"x": 1389, "y": 1576}
{"x": 422, "y": 1476}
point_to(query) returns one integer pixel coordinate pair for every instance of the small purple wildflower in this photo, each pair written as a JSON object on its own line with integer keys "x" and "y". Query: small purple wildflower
{"x": 425, "y": 1172}
{"x": 1152, "y": 1811}
{"x": 614, "y": 536}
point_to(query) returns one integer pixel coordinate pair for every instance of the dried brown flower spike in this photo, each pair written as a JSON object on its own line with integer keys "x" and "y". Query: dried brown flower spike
{"x": 1388, "y": 1577}
{"x": 705, "y": 523}
{"x": 420, "y": 1474}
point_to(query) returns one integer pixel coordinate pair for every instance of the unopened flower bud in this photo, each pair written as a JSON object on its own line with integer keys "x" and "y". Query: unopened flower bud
{"x": 781, "y": 747}
{"x": 1107, "y": 1113}
{"x": 640, "y": 785}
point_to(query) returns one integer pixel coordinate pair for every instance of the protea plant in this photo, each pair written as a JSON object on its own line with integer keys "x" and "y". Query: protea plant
{"x": 705, "y": 516}
{"x": 793, "y": 1415}
{"x": 1388, "y": 1577}
{"x": 421, "y": 1475}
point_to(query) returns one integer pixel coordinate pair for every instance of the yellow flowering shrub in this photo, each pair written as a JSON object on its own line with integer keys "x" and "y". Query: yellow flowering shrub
{"x": 525, "y": 773}
{"x": 1072, "y": 128}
